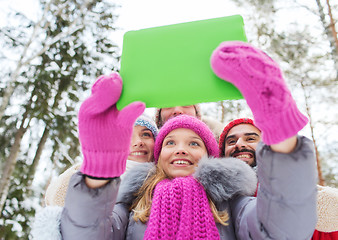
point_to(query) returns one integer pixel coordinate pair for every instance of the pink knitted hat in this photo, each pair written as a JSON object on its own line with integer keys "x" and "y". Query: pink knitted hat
{"x": 189, "y": 122}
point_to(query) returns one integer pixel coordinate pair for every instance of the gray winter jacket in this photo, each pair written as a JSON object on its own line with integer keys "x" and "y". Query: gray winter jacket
{"x": 285, "y": 207}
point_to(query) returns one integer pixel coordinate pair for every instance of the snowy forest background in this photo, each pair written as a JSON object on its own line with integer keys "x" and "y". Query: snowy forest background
{"x": 48, "y": 65}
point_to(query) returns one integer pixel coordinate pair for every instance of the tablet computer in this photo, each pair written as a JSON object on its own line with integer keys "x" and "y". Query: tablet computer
{"x": 170, "y": 65}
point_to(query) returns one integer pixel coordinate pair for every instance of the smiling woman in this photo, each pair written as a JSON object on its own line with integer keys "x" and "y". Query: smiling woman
{"x": 143, "y": 140}
{"x": 181, "y": 143}
{"x": 142, "y": 143}
{"x": 179, "y": 147}
{"x": 181, "y": 151}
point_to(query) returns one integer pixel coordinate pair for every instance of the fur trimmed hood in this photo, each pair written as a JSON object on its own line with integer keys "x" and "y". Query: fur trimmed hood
{"x": 46, "y": 224}
{"x": 222, "y": 178}
{"x": 132, "y": 182}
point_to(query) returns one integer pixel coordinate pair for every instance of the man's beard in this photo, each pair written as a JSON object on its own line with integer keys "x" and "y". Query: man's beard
{"x": 253, "y": 164}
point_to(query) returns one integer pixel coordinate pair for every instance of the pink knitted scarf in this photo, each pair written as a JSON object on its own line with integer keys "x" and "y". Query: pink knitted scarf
{"x": 180, "y": 210}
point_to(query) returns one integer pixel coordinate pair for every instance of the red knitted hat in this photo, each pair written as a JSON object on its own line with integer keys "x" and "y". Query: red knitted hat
{"x": 189, "y": 122}
{"x": 227, "y": 129}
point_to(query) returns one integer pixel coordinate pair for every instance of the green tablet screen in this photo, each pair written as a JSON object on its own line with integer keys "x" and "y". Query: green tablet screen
{"x": 170, "y": 65}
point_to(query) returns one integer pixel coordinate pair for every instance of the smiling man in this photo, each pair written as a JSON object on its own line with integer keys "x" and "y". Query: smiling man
{"x": 239, "y": 139}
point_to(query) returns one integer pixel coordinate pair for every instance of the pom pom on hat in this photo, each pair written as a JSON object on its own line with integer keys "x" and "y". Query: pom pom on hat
{"x": 188, "y": 122}
{"x": 145, "y": 121}
{"x": 228, "y": 128}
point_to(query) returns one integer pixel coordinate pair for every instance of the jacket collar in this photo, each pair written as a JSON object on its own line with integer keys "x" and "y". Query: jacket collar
{"x": 222, "y": 178}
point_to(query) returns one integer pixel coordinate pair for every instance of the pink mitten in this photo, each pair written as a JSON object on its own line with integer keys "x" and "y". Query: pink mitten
{"x": 105, "y": 133}
{"x": 261, "y": 83}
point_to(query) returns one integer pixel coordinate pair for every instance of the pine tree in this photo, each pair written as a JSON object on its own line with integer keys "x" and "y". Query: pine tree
{"x": 70, "y": 48}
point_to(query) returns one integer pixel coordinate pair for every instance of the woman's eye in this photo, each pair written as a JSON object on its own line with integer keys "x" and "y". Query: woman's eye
{"x": 147, "y": 134}
{"x": 194, "y": 144}
{"x": 170, "y": 142}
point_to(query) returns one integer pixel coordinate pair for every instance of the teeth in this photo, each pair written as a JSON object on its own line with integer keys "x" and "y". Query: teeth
{"x": 137, "y": 153}
{"x": 242, "y": 156}
{"x": 181, "y": 162}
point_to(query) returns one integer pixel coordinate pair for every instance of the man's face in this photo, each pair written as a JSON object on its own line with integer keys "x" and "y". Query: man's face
{"x": 241, "y": 142}
{"x": 167, "y": 113}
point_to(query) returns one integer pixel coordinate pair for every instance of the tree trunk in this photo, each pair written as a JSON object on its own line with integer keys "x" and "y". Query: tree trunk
{"x": 223, "y": 111}
{"x": 321, "y": 180}
{"x": 332, "y": 26}
{"x": 11, "y": 161}
{"x": 10, "y": 86}
{"x": 43, "y": 140}
{"x": 37, "y": 157}
{"x": 42, "y": 200}
{"x": 9, "y": 90}
{"x": 330, "y": 32}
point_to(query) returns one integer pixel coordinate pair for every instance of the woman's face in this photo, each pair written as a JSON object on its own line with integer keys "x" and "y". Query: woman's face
{"x": 142, "y": 145}
{"x": 167, "y": 113}
{"x": 181, "y": 151}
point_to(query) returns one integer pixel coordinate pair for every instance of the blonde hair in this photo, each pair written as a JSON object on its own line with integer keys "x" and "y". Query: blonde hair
{"x": 142, "y": 204}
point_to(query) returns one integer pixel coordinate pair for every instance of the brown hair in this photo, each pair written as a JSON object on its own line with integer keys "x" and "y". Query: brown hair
{"x": 159, "y": 121}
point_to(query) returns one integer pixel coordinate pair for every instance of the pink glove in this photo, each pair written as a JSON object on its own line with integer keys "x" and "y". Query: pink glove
{"x": 261, "y": 83}
{"x": 104, "y": 132}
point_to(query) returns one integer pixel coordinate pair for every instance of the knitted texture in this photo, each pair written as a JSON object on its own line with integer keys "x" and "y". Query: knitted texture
{"x": 228, "y": 128}
{"x": 159, "y": 120}
{"x": 104, "y": 132}
{"x": 180, "y": 210}
{"x": 189, "y": 122}
{"x": 261, "y": 83}
{"x": 57, "y": 189}
{"x": 145, "y": 121}
{"x": 327, "y": 209}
